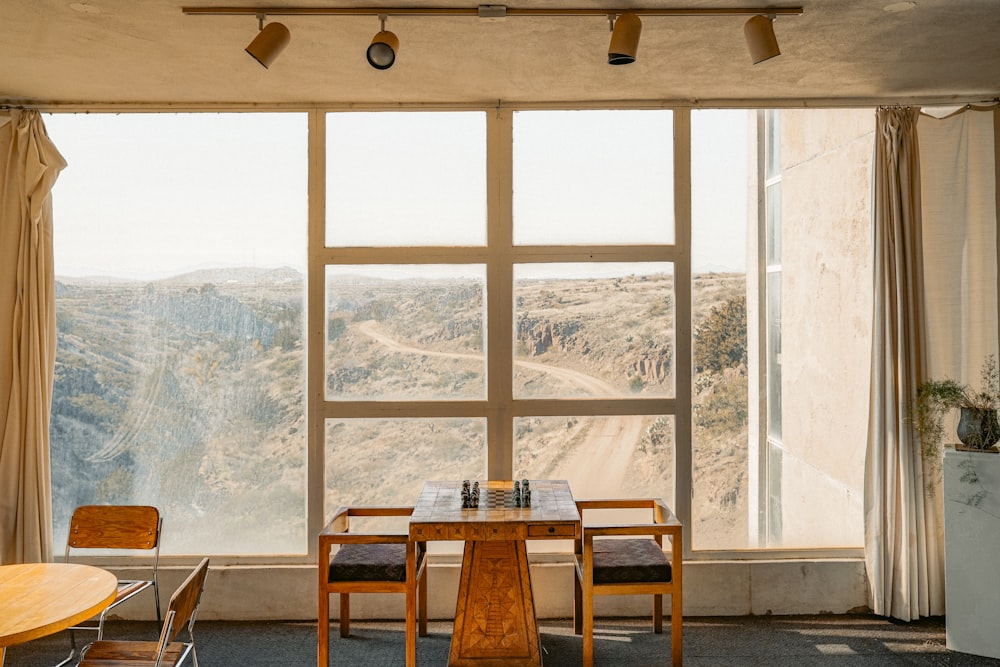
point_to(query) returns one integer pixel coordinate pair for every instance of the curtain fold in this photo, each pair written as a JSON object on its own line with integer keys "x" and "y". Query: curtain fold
{"x": 903, "y": 549}
{"x": 29, "y": 166}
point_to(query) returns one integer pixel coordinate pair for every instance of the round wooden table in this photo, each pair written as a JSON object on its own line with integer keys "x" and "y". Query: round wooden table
{"x": 40, "y": 599}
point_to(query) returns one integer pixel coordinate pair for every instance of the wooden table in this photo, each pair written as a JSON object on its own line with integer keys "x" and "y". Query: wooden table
{"x": 38, "y": 599}
{"x": 495, "y": 620}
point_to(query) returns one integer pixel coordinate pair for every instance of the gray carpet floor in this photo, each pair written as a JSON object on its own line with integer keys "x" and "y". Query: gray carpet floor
{"x": 800, "y": 641}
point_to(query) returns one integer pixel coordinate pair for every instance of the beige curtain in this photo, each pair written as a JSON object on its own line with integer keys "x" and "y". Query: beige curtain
{"x": 29, "y": 165}
{"x": 958, "y": 157}
{"x": 903, "y": 549}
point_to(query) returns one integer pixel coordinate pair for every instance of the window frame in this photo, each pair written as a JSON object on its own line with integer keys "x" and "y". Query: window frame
{"x": 499, "y": 256}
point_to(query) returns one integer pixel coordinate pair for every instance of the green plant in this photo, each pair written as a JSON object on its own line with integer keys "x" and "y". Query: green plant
{"x": 936, "y": 398}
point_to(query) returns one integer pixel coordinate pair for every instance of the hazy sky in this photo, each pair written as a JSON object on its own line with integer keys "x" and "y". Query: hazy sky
{"x": 147, "y": 195}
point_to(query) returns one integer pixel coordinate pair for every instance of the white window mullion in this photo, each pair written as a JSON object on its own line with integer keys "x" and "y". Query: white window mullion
{"x": 316, "y": 331}
{"x": 499, "y": 294}
{"x": 682, "y": 320}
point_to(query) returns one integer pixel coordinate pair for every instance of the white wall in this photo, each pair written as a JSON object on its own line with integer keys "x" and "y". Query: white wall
{"x": 711, "y": 588}
{"x": 826, "y": 162}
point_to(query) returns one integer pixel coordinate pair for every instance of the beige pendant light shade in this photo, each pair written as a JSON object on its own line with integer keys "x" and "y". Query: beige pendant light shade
{"x": 269, "y": 43}
{"x": 759, "y": 33}
{"x": 624, "y": 39}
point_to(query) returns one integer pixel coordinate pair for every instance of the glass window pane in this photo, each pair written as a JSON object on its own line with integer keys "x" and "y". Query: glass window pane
{"x": 772, "y": 130}
{"x": 406, "y": 332}
{"x": 723, "y": 205}
{"x": 600, "y": 456}
{"x": 179, "y": 370}
{"x": 399, "y": 456}
{"x": 406, "y": 179}
{"x": 593, "y": 177}
{"x": 773, "y": 206}
{"x": 594, "y": 330}
{"x": 774, "y": 356}
{"x": 820, "y": 364}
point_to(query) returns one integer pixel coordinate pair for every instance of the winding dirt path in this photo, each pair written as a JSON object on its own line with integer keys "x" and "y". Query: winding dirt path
{"x": 599, "y": 468}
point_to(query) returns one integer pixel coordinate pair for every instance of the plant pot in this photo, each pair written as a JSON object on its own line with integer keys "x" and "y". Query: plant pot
{"x": 978, "y": 429}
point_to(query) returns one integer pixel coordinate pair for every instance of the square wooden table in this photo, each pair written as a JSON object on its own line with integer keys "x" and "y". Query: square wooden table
{"x": 495, "y": 620}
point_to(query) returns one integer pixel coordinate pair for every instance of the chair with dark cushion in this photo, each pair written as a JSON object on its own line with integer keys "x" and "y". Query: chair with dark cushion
{"x": 628, "y": 559}
{"x": 370, "y": 563}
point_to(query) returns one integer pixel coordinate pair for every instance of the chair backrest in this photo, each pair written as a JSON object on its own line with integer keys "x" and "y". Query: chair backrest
{"x": 183, "y": 608}
{"x": 114, "y": 527}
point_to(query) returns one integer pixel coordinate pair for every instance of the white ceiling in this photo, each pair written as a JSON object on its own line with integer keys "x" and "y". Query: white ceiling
{"x": 111, "y": 52}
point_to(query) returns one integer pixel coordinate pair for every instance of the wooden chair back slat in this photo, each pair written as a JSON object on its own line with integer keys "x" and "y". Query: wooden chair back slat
{"x": 114, "y": 527}
{"x": 184, "y": 602}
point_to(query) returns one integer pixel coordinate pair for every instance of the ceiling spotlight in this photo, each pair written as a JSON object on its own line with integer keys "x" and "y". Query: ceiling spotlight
{"x": 624, "y": 39}
{"x": 759, "y": 32}
{"x": 382, "y": 51}
{"x": 269, "y": 42}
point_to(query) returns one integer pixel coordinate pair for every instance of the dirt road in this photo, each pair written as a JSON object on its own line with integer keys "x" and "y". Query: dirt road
{"x": 597, "y": 466}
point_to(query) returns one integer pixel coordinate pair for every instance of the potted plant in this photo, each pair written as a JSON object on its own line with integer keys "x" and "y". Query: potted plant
{"x": 978, "y": 428}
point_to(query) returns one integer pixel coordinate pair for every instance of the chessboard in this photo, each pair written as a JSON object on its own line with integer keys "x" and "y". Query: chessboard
{"x": 497, "y": 499}
{"x": 438, "y": 513}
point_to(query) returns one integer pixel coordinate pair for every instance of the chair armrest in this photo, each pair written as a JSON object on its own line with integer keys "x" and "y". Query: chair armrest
{"x": 663, "y": 522}
{"x": 337, "y": 531}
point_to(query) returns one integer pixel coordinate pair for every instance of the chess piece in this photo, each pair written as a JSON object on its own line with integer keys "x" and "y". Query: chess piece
{"x": 466, "y": 495}
{"x": 527, "y": 498}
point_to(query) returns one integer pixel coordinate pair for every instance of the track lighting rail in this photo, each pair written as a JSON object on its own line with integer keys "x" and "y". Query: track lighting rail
{"x": 626, "y": 26}
{"x": 490, "y": 11}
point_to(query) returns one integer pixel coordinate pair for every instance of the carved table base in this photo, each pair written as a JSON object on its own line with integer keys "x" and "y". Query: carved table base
{"x": 495, "y": 618}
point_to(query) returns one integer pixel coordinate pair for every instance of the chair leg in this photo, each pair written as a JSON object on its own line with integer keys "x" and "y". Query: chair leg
{"x": 323, "y": 631}
{"x": 410, "y": 630}
{"x": 588, "y": 627}
{"x": 345, "y": 615}
{"x": 658, "y": 614}
{"x": 676, "y": 630}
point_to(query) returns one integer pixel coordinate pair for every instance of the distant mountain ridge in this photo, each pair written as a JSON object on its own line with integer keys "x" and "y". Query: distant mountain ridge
{"x": 247, "y": 275}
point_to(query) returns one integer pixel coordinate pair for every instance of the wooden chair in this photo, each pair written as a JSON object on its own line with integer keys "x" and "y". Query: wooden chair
{"x": 182, "y": 611}
{"x": 114, "y": 528}
{"x": 628, "y": 559}
{"x": 370, "y": 563}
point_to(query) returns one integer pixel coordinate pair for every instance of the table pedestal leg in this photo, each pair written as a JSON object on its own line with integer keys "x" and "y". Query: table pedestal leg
{"x": 495, "y": 618}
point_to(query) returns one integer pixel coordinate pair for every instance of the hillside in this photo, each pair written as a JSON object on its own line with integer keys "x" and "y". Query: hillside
{"x": 188, "y": 393}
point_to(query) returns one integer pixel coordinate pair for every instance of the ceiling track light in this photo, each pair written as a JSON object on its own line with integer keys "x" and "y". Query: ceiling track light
{"x": 624, "y": 45}
{"x": 761, "y": 42}
{"x": 269, "y": 42}
{"x": 382, "y": 51}
{"x": 758, "y": 30}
